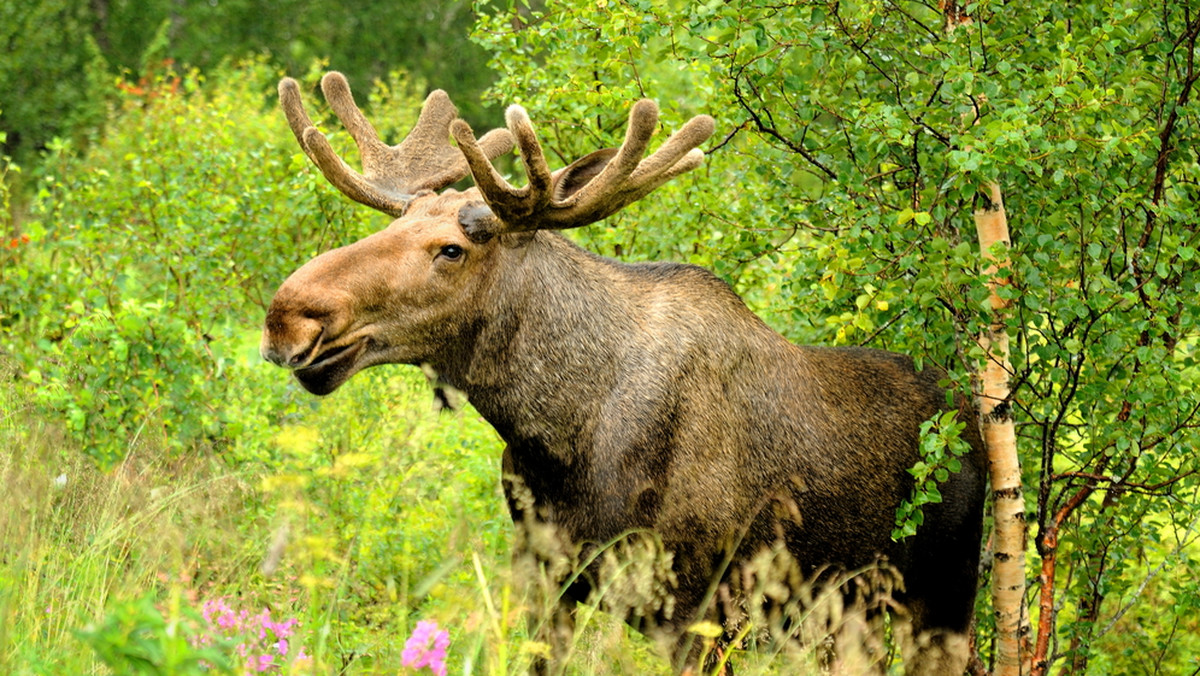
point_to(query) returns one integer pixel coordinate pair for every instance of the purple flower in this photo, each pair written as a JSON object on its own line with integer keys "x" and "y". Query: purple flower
{"x": 263, "y": 643}
{"x": 427, "y": 648}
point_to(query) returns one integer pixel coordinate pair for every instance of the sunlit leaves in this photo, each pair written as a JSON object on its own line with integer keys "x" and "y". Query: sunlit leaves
{"x": 941, "y": 447}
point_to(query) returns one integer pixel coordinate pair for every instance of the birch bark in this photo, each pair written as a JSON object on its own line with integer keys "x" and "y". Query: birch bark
{"x": 999, "y": 435}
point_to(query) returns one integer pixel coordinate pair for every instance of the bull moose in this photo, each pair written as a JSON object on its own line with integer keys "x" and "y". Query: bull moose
{"x": 633, "y": 398}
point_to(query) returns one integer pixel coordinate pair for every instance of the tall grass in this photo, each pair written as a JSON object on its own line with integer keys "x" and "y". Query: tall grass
{"x": 357, "y": 530}
{"x": 73, "y": 538}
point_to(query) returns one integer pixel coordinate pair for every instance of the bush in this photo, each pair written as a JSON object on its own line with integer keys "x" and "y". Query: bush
{"x": 146, "y": 263}
{"x": 118, "y": 377}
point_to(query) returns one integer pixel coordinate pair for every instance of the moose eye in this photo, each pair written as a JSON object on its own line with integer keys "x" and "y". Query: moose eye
{"x": 451, "y": 252}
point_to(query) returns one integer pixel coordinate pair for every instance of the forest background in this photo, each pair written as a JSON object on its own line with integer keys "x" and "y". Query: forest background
{"x": 173, "y": 505}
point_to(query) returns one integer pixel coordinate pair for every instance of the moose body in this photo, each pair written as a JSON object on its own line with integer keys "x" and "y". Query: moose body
{"x": 634, "y": 398}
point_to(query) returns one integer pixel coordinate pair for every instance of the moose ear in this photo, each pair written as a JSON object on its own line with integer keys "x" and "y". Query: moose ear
{"x": 569, "y": 179}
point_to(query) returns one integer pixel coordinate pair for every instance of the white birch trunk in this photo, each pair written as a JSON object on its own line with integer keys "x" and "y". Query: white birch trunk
{"x": 996, "y": 425}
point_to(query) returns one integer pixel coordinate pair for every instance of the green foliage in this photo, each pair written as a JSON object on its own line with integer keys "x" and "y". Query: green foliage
{"x": 47, "y": 71}
{"x": 116, "y": 374}
{"x": 135, "y": 637}
{"x": 140, "y": 258}
{"x": 941, "y": 447}
{"x": 193, "y": 196}
{"x": 6, "y": 168}
{"x": 62, "y": 55}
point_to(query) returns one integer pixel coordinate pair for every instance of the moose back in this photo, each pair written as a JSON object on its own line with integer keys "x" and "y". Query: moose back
{"x": 639, "y": 398}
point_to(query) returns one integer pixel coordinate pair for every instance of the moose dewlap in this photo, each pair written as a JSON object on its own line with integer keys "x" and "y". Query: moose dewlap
{"x": 641, "y": 404}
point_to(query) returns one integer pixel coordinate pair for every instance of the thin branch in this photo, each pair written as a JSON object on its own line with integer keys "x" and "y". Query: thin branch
{"x": 1154, "y": 573}
{"x": 769, "y": 129}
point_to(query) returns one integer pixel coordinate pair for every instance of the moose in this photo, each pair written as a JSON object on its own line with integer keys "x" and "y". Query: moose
{"x": 633, "y": 398}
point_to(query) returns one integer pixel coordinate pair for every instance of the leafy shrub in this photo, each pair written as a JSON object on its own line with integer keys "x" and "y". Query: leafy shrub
{"x": 140, "y": 371}
{"x": 941, "y": 448}
{"x": 136, "y": 638}
{"x": 196, "y": 196}
{"x": 147, "y": 261}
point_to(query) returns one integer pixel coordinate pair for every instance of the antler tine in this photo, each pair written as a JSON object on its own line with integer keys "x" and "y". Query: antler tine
{"x": 487, "y": 179}
{"x": 643, "y": 118}
{"x": 351, "y": 183}
{"x": 293, "y": 109}
{"x": 593, "y": 188}
{"x": 509, "y": 203}
{"x": 392, "y": 175}
{"x": 679, "y": 153}
{"x": 341, "y": 100}
{"x": 532, "y": 157}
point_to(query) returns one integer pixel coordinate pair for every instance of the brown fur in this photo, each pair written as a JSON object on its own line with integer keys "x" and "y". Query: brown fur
{"x": 648, "y": 398}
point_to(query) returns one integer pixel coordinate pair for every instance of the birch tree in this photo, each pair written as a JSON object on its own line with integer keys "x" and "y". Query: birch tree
{"x": 999, "y": 436}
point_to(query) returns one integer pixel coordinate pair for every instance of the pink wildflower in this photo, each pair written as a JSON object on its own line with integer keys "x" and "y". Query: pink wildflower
{"x": 419, "y": 653}
{"x": 264, "y": 643}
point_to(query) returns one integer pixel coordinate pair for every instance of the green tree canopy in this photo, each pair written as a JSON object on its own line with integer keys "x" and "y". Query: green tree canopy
{"x": 61, "y": 56}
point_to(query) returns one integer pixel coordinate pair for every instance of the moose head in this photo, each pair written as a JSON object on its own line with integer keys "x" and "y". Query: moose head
{"x": 405, "y": 294}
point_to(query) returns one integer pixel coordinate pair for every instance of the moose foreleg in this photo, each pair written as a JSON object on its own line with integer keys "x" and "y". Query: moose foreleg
{"x": 935, "y": 653}
{"x": 553, "y": 632}
{"x": 542, "y": 561}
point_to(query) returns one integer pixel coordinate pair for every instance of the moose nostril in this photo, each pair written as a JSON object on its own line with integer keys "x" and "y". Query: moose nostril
{"x": 286, "y": 358}
{"x": 292, "y": 336}
{"x": 271, "y": 352}
{"x": 294, "y": 347}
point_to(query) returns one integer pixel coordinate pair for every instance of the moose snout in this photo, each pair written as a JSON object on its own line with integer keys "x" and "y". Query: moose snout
{"x": 290, "y": 340}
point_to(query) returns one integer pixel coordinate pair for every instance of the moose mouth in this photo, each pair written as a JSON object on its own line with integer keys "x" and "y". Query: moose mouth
{"x": 331, "y": 368}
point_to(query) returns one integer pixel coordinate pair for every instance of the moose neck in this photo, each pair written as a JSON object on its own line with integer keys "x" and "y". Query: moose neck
{"x": 551, "y": 338}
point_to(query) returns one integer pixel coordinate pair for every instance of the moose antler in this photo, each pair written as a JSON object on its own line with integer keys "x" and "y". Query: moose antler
{"x": 592, "y": 188}
{"x": 392, "y": 175}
